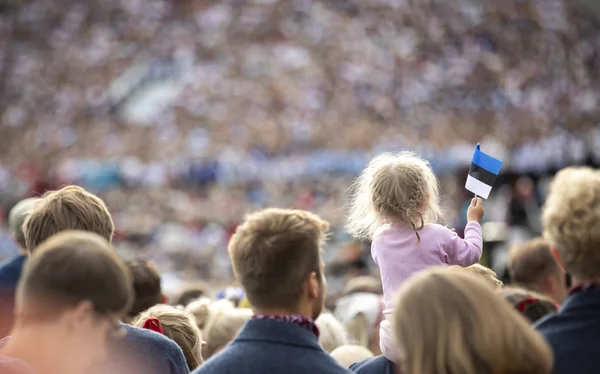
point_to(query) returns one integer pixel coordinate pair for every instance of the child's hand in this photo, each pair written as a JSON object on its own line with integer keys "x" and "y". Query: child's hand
{"x": 448, "y": 227}
{"x": 475, "y": 211}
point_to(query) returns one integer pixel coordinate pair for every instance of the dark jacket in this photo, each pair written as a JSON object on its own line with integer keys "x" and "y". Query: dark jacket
{"x": 573, "y": 334}
{"x": 145, "y": 352}
{"x": 10, "y": 272}
{"x": 374, "y": 365}
{"x": 272, "y": 347}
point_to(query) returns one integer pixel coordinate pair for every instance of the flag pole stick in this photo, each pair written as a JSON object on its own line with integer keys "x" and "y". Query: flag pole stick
{"x": 480, "y": 148}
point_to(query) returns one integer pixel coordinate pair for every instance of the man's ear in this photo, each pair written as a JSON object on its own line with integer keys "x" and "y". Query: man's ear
{"x": 313, "y": 285}
{"x": 557, "y": 258}
{"x": 78, "y": 315}
{"x": 163, "y": 299}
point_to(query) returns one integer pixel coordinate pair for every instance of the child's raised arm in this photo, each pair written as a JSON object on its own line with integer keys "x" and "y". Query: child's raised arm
{"x": 467, "y": 251}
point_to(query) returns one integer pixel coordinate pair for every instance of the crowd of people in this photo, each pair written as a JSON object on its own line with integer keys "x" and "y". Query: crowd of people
{"x": 212, "y": 222}
{"x": 70, "y": 304}
{"x": 184, "y": 115}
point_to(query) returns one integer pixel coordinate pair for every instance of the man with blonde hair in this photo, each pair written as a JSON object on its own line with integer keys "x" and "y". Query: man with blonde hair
{"x": 72, "y": 293}
{"x": 276, "y": 256}
{"x": 531, "y": 266}
{"x": 571, "y": 219}
{"x": 74, "y": 208}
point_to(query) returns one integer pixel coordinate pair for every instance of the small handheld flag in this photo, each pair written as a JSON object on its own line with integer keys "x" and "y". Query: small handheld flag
{"x": 482, "y": 173}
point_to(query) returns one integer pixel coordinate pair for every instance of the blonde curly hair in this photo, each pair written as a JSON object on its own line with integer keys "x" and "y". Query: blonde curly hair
{"x": 393, "y": 188}
{"x": 571, "y": 219}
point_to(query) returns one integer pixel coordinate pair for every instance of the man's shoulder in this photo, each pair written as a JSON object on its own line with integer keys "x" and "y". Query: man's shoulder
{"x": 375, "y": 365}
{"x": 10, "y": 270}
{"x": 152, "y": 344}
{"x": 149, "y": 339}
{"x": 260, "y": 360}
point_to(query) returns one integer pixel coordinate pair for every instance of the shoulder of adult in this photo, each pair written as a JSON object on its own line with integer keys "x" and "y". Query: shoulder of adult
{"x": 157, "y": 345}
{"x": 374, "y": 365}
{"x": 546, "y": 323}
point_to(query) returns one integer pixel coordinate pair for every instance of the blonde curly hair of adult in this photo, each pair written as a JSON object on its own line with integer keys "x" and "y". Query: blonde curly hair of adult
{"x": 448, "y": 321}
{"x": 179, "y": 326}
{"x": 571, "y": 219}
{"x": 393, "y": 188}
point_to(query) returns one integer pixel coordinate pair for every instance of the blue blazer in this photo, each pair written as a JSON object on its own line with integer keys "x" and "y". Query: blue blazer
{"x": 573, "y": 334}
{"x": 144, "y": 352}
{"x": 10, "y": 272}
{"x": 272, "y": 347}
{"x": 374, "y": 365}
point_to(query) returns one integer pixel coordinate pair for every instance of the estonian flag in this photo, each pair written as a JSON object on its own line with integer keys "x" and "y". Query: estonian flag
{"x": 483, "y": 173}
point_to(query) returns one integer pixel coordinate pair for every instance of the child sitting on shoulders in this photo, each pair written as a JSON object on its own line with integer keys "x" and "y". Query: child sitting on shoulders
{"x": 395, "y": 204}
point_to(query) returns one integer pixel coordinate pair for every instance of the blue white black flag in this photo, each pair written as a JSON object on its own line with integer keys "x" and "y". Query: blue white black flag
{"x": 482, "y": 173}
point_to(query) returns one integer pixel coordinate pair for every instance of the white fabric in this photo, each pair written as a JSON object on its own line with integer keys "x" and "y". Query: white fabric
{"x": 369, "y": 304}
{"x": 478, "y": 187}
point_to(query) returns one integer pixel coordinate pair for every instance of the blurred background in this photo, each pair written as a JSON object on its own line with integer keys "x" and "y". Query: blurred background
{"x": 183, "y": 115}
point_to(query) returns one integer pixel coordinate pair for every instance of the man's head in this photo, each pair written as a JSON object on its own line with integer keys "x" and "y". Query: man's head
{"x": 531, "y": 266}
{"x": 17, "y": 217}
{"x": 146, "y": 286}
{"x": 571, "y": 220}
{"x": 70, "y": 208}
{"x": 276, "y": 256}
{"x": 73, "y": 291}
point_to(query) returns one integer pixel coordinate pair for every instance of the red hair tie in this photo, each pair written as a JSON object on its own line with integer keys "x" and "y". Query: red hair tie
{"x": 525, "y": 303}
{"x": 153, "y": 324}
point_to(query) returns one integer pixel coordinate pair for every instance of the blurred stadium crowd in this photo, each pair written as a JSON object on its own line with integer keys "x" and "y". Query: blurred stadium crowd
{"x": 185, "y": 114}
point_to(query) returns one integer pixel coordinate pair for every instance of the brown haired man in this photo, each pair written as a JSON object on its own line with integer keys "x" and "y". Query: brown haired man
{"x": 531, "y": 266}
{"x": 146, "y": 286}
{"x": 72, "y": 293}
{"x": 276, "y": 256}
{"x": 73, "y": 208}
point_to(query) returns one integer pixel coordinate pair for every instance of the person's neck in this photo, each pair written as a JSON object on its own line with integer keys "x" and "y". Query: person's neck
{"x": 23, "y": 252}
{"x": 36, "y": 346}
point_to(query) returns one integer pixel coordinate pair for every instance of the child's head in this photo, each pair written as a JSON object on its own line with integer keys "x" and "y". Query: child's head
{"x": 394, "y": 188}
{"x": 530, "y": 304}
{"x": 179, "y": 326}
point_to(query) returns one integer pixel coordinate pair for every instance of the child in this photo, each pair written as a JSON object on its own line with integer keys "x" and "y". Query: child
{"x": 396, "y": 205}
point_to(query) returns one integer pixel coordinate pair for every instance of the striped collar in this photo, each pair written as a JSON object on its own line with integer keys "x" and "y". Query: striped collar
{"x": 303, "y": 321}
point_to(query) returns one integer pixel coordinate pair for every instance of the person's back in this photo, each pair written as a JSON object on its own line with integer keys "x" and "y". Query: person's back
{"x": 571, "y": 221}
{"x": 145, "y": 352}
{"x": 286, "y": 295}
{"x": 270, "y": 346}
{"x": 396, "y": 205}
{"x": 374, "y": 365}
